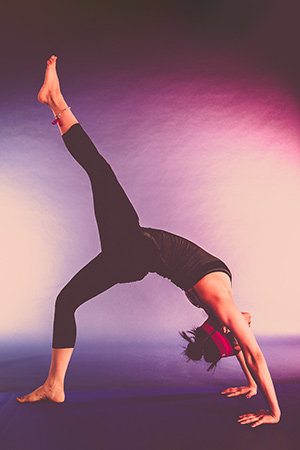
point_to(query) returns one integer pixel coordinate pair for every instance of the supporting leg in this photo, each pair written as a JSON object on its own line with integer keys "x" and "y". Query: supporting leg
{"x": 91, "y": 280}
{"x": 53, "y": 388}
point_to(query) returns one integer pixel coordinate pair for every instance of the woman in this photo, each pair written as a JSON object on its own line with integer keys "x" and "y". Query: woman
{"x": 129, "y": 252}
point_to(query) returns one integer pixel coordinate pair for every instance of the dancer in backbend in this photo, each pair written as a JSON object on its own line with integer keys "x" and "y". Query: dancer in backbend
{"x": 129, "y": 252}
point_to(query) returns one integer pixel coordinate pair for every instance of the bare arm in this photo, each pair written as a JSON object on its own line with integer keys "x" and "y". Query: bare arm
{"x": 245, "y": 369}
{"x": 250, "y": 390}
{"x": 228, "y": 314}
{"x": 215, "y": 295}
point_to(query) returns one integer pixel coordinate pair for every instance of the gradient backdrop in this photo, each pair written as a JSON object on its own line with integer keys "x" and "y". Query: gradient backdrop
{"x": 196, "y": 106}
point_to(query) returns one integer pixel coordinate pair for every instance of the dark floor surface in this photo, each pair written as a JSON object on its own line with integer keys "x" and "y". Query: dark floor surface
{"x": 144, "y": 397}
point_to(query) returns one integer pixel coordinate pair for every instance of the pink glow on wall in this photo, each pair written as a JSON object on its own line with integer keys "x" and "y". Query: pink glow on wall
{"x": 215, "y": 160}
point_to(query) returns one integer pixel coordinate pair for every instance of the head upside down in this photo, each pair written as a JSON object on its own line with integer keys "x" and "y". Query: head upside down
{"x": 211, "y": 340}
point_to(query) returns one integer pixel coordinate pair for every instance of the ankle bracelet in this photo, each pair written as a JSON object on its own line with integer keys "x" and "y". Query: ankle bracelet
{"x": 57, "y": 117}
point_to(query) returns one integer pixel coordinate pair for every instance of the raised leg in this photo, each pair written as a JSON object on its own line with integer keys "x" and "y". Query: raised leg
{"x": 117, "y": 219}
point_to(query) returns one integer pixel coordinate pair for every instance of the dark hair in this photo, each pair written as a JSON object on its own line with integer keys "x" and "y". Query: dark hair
{"x": 200, "y": 344}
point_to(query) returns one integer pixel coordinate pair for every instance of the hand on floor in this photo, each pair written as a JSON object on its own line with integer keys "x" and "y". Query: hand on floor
{"x": 260, "y": 417}
{"x": 247, "y": 391}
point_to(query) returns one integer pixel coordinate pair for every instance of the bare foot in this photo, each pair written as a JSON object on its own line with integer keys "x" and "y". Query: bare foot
{"x": 51, "y": 95}
{"x": 50, "y": 91}
{"x": 43, "y": 393}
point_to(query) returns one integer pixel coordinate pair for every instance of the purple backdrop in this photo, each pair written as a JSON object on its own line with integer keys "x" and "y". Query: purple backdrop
{"x": 195, "y": 105}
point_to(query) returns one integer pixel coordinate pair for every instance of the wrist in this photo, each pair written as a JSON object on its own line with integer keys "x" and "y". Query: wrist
{"x": 276, "y": 413}
{"x": 252, "y": 384}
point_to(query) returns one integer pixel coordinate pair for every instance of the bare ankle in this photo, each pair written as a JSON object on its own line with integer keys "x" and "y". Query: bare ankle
{"x": 52, "y": 383}
{"x": 57, "y": 103}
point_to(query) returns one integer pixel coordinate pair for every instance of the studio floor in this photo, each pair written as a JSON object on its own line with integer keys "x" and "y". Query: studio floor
{"x": 144, "y": 397}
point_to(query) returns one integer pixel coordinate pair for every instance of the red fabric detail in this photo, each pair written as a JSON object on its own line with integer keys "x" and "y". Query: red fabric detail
{"x": 219, "y": 339}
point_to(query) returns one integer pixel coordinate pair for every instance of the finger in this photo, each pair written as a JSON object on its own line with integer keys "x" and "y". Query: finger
{"x": 235, "y": 394}
{"x": 238, "y": 391}
{"x": 228, "y": 390}
{"x": 256, "y": 414}
{"x": 258, "y": 422}
{"x": 247, "y": 418}
{"x": 243, "y": 416}
{"x": 252, "y": 419}
{"x": 247, "y": 421}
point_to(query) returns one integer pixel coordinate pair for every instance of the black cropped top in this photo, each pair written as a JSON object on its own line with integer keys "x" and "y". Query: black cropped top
{"x": 179, "y": 259}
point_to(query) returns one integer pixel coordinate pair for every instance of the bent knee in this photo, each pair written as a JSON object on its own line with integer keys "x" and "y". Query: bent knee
{"x": 65, "y": 302}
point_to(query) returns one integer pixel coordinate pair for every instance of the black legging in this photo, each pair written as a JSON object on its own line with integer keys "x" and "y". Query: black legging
{"x": 129, "y": 252}
{"x": 123, "y": 257}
